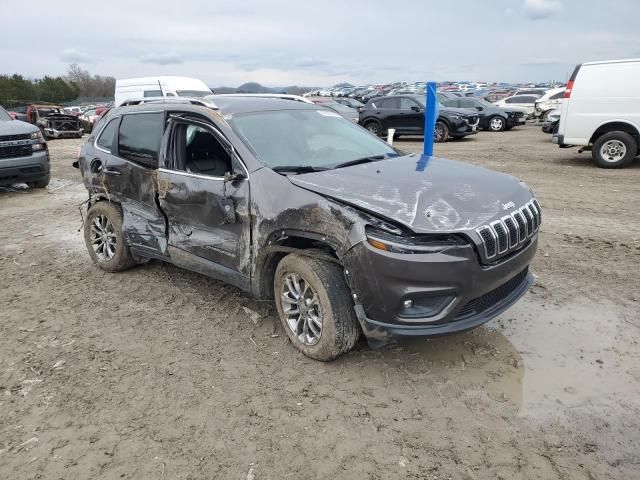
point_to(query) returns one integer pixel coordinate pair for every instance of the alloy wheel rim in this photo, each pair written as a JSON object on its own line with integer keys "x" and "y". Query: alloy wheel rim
{"x": 103, "y": 238}
{"x": 496, "y": 124}
{"x": 373, "y": 128}
{"x": 439, "y": 132}
{"x": 301, "y": 307}
{"x": 613, "y": 151}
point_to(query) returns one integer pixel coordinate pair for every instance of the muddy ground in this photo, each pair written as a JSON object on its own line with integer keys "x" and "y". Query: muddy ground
{"x": 160, "y": 373}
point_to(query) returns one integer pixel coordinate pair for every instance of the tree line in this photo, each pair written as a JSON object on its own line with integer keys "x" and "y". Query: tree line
{"x": 16, "y": 90}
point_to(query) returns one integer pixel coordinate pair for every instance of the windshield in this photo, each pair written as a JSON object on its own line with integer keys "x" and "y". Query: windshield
{"x": 193, "y": 93}
{"x": 314, "y": 138}
{"x": 482, "y": 101}
{"x": 45, "y": 112}
{"x": 4, "y": 116}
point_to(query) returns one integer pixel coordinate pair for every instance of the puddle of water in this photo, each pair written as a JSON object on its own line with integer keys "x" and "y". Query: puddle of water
{"x": 546, "y": 359}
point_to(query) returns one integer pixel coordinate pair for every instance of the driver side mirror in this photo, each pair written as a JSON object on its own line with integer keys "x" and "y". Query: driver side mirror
{"x": 479, "y": 108}
{"x": 234, "y": 177}
{"x": 415, "y": 108}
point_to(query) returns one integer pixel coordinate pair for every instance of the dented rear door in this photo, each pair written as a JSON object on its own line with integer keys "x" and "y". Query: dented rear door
{"x": 129, "y": 177}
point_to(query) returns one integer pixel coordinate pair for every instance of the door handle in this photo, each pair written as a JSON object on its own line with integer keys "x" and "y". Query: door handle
{"x": 111, "y": 171}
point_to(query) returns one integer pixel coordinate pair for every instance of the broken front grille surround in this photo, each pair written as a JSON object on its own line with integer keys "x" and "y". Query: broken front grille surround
{"x": 512, "y": 231}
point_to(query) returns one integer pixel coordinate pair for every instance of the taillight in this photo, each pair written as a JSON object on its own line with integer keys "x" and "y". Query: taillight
{"x": 567, "y": 92}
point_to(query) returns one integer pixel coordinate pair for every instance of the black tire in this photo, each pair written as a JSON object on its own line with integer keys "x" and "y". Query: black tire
{"x": 374, "y": 127}
{"x": 620, "y": 142}
{"x": 440, "y": 132}
{"x": 497, "y": 123}
{"x": 339, "y": 330}
{"x": 40, "y": 183}
{"x": 121, "y": 259}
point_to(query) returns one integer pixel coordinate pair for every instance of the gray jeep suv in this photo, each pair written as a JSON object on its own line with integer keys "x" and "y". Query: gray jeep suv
{"x": 292, "y": 202}
{"x": 24, "y": 156}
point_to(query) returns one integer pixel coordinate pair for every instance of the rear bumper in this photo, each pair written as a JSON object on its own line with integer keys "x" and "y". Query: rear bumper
{"x": 24, "y": 169}
{"x": 471, "y": 293}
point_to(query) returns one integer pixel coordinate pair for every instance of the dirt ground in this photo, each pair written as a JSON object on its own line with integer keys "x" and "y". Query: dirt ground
{"x": 160, "y": 373}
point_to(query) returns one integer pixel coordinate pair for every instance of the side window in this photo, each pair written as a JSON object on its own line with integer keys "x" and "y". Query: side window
{"x": 105, "y": 140}
{"x": 152, "y": 93}
{"x": 198, "y": 151}
{"x": 557, "y": 95}
{"x": 140, "y": 137}
{"x": 511, "y": 100}
{"x": 450, "y": 103}
{"x": 389, "y": 103}
{"x": 407, "y": 103}
{"x": 464, "y": 103}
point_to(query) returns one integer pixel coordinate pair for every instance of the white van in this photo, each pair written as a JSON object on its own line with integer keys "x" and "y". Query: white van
{"x": 138, "y": 88}
{"x": 601, "y": 112}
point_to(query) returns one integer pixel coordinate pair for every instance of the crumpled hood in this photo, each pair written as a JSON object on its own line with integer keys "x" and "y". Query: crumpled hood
{"x": 425, "y": 194}
{"x": 16, "y": 127}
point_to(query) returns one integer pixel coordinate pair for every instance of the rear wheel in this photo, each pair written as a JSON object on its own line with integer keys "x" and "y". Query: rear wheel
{"x": 441, "y": 132}
{"x": 497, "y": 124}
{"x": 374, "y": 127}
{"x": 315, "y": 307}
{"x": 104, "y": 239}
{"x": 614, "y": 150}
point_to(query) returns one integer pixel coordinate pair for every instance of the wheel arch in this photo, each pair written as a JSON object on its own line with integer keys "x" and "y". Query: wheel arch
{"x": 616, "y": 126}
{"x": 282, "y": 243}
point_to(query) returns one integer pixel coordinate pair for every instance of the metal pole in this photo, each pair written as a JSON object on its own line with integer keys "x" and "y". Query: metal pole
{"x": 430, "y": 115}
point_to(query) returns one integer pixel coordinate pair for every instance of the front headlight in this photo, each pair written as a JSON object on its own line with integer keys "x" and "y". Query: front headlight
{"x": 455, "y": 117}
{"x": 37, "y": 136}
{"x": 399, "y": 243}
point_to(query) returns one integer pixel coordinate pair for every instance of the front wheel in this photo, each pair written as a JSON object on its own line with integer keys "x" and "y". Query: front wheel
{"x": 497, "y": 124}
{"x": 315, "y": 307}
{"x": 441, "y": 132}
{"x": 40, "y": 183}
{"x": 104, "y": 239}
{"x": 614, "y": 150}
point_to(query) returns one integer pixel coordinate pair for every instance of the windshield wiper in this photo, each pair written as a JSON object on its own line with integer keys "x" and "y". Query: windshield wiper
{"x": 298, "y": 169}
{"x": 358, "y": 161}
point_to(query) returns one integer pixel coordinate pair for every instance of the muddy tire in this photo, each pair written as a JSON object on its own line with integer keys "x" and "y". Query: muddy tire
{"x": 40, "y": 183}
{"x": 104, "y": 239}
{"x": 614, "y": 150}
{"x": 315, "y": 308}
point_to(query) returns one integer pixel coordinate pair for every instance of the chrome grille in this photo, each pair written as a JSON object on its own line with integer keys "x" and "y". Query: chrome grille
{"x": 512, "y": 231}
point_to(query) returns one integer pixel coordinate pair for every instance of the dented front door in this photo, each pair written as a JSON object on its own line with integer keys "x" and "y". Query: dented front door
{"x": 200, "y": 227}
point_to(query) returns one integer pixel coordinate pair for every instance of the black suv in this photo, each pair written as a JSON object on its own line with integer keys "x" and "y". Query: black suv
{"x": 405, "y": 114}
{"x": 492, "y": 118}
{"x": 292, "y": 202}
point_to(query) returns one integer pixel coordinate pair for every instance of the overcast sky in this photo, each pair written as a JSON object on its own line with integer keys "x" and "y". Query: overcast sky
{"x": 317, "y": 43}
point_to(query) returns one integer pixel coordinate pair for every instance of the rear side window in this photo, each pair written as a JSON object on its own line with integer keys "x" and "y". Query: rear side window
{"x": 140, "y": 137}
{"x": 388, "y": 103}
{"x": 152, "y": 93}
{"x": 105, "y": 140}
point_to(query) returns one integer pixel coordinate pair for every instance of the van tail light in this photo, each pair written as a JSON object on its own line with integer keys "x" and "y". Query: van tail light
{"x": 567, "y": 92}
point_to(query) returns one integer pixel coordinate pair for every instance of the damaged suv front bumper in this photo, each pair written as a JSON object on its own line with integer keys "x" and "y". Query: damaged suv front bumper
{"x": 433, "y": 294}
